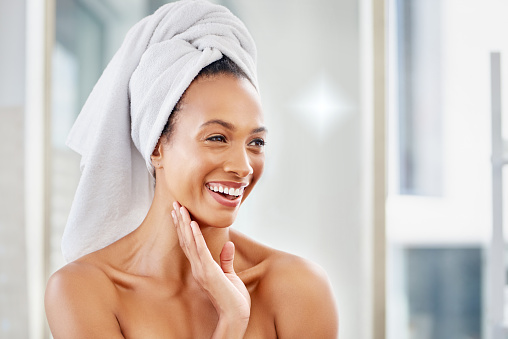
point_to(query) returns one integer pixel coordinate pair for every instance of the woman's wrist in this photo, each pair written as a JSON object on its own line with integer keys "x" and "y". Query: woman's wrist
{"x": 230, "y": 327}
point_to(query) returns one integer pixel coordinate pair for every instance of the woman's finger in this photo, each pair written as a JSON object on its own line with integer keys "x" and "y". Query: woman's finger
{"x": 193, "y": 232}
{"x": 227, "y": 257}
{"x": 183, "y": 232}
{"x": 201, "y": 247}
{"x": 187, "y": 230}
{"x": 190, "y": 233}
{"x": 176, "y": 224}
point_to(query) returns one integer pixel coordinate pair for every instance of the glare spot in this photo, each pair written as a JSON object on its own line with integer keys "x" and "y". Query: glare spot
{"x": 321, "y": 105}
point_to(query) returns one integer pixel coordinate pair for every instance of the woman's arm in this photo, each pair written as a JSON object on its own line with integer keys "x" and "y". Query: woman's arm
{"x": 226, "y": 291}
{"x": 78, "y": 305}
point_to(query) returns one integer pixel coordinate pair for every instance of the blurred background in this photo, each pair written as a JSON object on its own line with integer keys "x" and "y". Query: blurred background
{"x": 378, "y": 158}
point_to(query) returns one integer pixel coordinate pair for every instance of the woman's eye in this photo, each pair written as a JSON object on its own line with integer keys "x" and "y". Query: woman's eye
{"x": 217, "y": 138}
{"x": 257, "y": 142}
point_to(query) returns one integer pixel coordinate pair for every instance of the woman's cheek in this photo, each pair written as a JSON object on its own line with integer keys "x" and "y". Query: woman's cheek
{"x": 258, "y": 167}
{"x": 260, "y": 164}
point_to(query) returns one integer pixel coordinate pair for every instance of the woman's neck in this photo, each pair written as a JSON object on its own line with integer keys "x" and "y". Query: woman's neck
{"x": 154, "y": 248}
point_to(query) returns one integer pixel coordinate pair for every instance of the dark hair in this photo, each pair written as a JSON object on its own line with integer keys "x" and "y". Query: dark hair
{"x": 222, "y": 66}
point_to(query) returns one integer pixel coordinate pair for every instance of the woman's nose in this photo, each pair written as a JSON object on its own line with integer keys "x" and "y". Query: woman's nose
{"x": 238, "y": 162}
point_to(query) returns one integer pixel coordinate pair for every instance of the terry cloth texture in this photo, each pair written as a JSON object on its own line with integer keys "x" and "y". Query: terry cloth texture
{"x": 122, "y": 119}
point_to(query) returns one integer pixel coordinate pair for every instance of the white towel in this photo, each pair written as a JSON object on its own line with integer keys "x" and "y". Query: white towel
{"x": 122, "y": 120}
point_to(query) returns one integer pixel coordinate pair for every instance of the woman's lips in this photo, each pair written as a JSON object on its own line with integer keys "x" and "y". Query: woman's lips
{"x": 221, "y": 199}
{"x": 224, "y": 192}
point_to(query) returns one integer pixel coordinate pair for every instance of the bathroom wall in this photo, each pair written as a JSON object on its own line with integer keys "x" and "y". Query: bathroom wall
{"x": 13, "y": 301}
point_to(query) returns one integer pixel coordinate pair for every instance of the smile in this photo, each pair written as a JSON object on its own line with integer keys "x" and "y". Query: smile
{"x": 226, "y": 195}
{"x": 225, "y": 190}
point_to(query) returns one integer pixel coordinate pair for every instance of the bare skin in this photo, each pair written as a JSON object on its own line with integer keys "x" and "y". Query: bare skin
{"x": 178, "y": 275}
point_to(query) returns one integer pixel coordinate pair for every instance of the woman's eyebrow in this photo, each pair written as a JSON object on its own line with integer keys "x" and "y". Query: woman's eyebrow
{"x": 259, "y": 130}
{"x": 230, "y": 126}
{"x": 220, "y": 122}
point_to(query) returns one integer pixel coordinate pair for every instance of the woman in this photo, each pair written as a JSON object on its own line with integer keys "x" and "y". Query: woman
{"x": 183, "y": 273}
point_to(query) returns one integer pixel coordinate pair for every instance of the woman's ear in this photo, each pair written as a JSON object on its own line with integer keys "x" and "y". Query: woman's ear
{"x": 156, "y": 156}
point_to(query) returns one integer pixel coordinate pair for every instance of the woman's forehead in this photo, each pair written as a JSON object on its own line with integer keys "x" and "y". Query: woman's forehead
{"x": 225, "y": 98}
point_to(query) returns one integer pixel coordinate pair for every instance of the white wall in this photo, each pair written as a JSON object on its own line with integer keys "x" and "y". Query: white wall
{"x": 13, "y": 301}
{"x": 12, "y": 53}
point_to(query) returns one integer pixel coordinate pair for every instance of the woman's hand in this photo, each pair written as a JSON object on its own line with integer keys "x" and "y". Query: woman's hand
{"x": 226, "y": 291}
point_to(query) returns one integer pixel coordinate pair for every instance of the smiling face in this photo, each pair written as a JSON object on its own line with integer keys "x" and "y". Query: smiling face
{"x": 217, "y": 146}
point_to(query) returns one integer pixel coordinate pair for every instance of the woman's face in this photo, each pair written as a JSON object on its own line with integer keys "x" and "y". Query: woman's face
{"x": 217, "y": 145}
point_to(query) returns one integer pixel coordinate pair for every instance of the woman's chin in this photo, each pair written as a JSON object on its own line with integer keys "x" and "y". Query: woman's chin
{"x": 218, "y": 220}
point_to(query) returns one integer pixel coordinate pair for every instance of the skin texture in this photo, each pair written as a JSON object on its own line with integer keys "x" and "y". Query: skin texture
{"x": 183, "y": 273}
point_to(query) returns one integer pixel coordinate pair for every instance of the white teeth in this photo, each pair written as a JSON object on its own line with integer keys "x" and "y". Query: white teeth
{"x": 226, "y": 190}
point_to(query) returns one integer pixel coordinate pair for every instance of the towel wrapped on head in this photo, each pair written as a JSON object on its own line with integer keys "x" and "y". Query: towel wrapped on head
{"x": 123, "y": 118}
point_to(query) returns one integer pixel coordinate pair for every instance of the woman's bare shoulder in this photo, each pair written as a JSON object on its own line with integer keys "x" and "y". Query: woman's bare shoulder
{"x": 80, "y": 301}
{"x": 78, "y": 275}
{"x": 302, "y": 298}
{"x": 278, "y": 265}
{"x": 288, "y": 274}
{"x": 298, "y": 292}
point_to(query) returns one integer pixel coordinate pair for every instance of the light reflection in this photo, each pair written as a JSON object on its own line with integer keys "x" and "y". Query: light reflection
{"x": 322, "y": 105}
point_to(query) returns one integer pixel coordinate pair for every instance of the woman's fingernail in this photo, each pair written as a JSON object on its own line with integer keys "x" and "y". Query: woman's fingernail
{"x": 173, "y": 214}
{"x": 175, "y": 206}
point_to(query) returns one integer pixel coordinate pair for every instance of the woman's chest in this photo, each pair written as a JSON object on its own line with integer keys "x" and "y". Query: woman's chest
{"x": 153, "y": 315}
